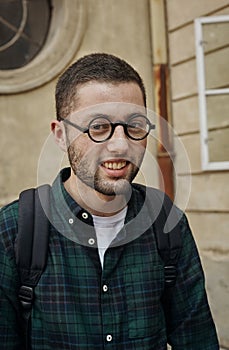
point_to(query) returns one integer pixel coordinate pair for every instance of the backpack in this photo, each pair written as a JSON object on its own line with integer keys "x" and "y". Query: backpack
{"x": 33, "y": 233}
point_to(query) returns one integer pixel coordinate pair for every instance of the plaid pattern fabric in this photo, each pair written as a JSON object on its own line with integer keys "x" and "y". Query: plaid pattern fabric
{"x": 80, "y": 306}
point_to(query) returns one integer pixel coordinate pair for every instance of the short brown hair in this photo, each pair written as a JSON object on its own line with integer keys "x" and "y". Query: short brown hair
{"x": 100, "y": 67}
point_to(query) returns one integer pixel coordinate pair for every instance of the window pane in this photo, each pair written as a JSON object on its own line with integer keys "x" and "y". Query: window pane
{"x": 24, "y": 27}
{"x": 218, "y": 145}
{"x": 216, "y": 69}
{"x": 216, "y": 51}
{"x": 217, "y": 110}
{"x": 218, "y": 127}
{"x": 215, "y": 35}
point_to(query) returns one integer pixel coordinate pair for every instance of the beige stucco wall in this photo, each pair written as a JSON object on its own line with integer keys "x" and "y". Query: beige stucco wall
{"x": 123, "y": 27}
{"x": 119, "y": 27}
{"x": 208, "y": 203}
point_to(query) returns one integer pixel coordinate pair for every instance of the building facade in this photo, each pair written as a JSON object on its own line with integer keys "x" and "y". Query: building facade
{"x": 181, "y": 49}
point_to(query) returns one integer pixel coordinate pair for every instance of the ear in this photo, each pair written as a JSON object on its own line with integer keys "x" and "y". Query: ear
{"x": 58, "y": 131}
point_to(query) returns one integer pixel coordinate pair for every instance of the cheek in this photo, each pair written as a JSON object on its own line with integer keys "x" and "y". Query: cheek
{"x": 77, "y": 141}
{"x": 144, "y": 143}
{"x": 76, "y": 137}
{"x": 140, "y": 148}
{"x": 85, "y": 150}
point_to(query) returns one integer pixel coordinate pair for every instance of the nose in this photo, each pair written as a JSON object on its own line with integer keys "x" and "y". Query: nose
{"x": 118, "y": 143}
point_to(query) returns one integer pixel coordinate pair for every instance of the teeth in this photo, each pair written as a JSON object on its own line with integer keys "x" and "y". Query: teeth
{"x": 114, "y": 165}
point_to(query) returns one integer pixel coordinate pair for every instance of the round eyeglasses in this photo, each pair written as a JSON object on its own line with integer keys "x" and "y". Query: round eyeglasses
{"x": 101, "y": 129}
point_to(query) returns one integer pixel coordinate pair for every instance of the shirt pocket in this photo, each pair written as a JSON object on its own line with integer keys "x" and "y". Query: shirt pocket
{"x": 144, "y": 287}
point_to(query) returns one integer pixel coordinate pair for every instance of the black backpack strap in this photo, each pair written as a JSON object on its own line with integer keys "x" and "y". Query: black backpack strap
{"x": 168, "y": 236}
{"x": 31, "y": 248}
{"x": 169, "y": 243}
{"x": 166, "y": 224}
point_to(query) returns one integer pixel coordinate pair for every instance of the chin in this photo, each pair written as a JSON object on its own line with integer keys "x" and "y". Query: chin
{"x": 120, "y": 187}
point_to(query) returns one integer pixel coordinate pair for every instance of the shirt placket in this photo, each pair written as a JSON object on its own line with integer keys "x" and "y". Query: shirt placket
{"x": 109, "y": 309}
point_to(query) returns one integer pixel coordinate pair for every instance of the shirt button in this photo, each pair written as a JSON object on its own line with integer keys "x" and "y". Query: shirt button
{"x": 85, "y": 216}
{"x": 109, "y": 337}
{"x": 91, "y": 241}
{"x": 70, "y": 221}
{"x": 105, "y": 288}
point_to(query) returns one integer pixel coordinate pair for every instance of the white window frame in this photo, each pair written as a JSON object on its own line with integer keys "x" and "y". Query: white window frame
{"x": 203, "y": 92}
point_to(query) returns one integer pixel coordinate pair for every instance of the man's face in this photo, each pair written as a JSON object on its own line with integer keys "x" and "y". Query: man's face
{"x": 108, "y": 167}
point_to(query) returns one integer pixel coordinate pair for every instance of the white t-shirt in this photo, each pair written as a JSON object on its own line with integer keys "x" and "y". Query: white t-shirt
{"x": 106, "y": 229}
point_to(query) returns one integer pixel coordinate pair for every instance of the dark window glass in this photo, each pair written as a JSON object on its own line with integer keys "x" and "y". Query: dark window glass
{"x": 24, "y": 26}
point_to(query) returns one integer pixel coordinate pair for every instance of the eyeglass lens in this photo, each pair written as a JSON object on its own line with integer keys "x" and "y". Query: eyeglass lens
{"x": 101, "y": 128}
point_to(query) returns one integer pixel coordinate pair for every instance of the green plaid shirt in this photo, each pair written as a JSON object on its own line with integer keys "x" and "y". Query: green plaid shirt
{"x": 80, "y": 306}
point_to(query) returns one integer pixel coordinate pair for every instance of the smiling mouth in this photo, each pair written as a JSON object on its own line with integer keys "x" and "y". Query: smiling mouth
{"x": 115, "y": 165}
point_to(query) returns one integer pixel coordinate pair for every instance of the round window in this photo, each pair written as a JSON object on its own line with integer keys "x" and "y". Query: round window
{"x": 39, "y": 38}
{"x": 24, "y": 26}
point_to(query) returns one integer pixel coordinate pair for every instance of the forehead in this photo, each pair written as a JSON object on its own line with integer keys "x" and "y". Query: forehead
{"x": 93, "y": 93}
{"x": 114, "y": 100}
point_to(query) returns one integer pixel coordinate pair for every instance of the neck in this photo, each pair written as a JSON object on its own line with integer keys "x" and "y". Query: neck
{"x": 93, "y": 201}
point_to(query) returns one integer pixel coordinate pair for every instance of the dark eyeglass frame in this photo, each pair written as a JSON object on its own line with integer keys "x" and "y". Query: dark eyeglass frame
{"x": 113, "y": 126}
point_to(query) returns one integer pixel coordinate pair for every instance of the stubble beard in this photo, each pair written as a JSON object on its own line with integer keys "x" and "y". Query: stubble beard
{"x": 112, "y": 187}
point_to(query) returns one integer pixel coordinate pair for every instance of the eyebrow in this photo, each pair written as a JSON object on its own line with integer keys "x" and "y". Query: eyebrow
{"x": 88, "y": 117}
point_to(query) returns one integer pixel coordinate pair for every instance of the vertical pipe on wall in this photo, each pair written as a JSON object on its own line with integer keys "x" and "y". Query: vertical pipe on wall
{"x": 162, "y": 94}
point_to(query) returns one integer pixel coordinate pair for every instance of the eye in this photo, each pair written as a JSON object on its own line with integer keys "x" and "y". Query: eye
{"x": 99, "y": 125}
{"x": 137, "y": 122}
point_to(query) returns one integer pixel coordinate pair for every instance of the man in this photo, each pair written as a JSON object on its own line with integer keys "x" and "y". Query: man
{"x": 104, "y": 280}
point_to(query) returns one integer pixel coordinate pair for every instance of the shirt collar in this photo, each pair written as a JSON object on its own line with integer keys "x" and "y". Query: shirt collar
{"x": 66, "y": 202}
{"x": 75, "y": 223}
